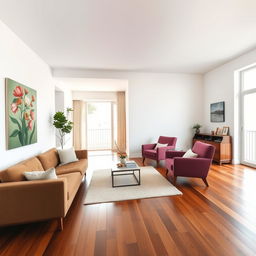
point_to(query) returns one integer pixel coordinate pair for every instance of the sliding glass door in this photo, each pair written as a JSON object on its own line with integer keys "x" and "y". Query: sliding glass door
{"x": 248, "y": 116}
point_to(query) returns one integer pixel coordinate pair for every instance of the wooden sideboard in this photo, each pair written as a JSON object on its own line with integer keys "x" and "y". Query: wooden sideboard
{"x": 222, "y": 143}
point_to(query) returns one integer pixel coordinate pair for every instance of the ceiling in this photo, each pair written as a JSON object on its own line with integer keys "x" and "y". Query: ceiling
{"x": 188, "y": 36}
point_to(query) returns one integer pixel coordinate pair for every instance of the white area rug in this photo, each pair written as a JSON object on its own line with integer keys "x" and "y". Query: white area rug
{"x": 153, "y": 184}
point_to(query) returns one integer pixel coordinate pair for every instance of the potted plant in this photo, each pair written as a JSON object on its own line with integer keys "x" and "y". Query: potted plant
{"x": 63, "y": 125}
{"x": 197, "y": 127}
{"x": 122, "y": 155}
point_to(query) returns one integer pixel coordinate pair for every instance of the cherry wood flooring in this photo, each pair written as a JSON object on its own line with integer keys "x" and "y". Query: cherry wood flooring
{"x": 219, "y": 220}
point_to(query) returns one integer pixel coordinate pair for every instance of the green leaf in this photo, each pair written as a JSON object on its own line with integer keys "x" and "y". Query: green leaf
{"x": 21, "y": 138}
{"x": 24, "y": 131}
{"x": 14, "y": 133}
{"x": 15, "y": 121}
{"x": 32, "y": 134}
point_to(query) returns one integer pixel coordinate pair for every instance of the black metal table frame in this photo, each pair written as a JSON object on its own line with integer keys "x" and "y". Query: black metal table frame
{"x": 125, "y": 172}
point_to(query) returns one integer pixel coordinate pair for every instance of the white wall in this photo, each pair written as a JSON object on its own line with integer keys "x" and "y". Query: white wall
{"x": 63, "y": 100}
{"x": 20, "y": 63}
{"x": 159, "y": 104}
{"x": 59, "y": 101}
{"x": 219, "y": 85}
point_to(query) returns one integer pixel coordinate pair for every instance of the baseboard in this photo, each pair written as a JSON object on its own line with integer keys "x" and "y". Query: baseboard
{"x": 236, "y": 161}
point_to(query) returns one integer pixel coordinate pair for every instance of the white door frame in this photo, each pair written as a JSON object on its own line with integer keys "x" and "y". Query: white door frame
{"x": 242, "y": 95}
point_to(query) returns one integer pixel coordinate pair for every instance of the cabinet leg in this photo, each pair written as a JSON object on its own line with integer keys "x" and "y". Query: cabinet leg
{"x": 60, "y": 224}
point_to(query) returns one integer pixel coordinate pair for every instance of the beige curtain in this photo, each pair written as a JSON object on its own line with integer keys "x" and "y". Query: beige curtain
{"x": 79, "y": 128}
{"x": 121, "y": 121}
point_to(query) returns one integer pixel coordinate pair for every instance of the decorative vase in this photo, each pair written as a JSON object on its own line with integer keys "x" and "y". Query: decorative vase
{"x": 197, "y": 131}
{"x": 122, "y": 160}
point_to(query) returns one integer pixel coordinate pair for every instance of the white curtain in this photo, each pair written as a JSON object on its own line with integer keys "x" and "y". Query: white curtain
{"x": 79, "y": 128}
{"x": 121, "y": 121}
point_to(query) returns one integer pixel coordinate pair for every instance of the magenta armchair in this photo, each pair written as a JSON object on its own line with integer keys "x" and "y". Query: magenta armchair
{"x": 190, "y": 167}
{"x": 148, "y": 150}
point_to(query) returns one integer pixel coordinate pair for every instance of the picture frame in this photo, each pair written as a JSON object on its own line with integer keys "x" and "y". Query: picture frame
{"x": 225, "y": 130}
{"x": 217, "y": 112}
{"x": 219, "y": 131}
{"x": 21, "y": 114}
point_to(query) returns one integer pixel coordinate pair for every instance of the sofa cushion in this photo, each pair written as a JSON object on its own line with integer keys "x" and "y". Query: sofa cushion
{"x": 15, "y": 172}
{"x": 79, "y": 166}
{"x": 33, "y": 164}
{"x": 41, "y": 175}
{"x": 49, "y": 159}
{"x": 67, "y": 156}
{"x": 73, "y": 182}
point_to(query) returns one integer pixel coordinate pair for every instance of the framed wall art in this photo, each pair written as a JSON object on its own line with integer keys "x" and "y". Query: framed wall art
{"x": 21, "y": 114}
{"x": 218, "y": 112}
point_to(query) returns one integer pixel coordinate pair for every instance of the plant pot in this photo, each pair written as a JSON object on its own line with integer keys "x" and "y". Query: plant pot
{"x": 197, "y": 131}
{"x": 122, "y": 160}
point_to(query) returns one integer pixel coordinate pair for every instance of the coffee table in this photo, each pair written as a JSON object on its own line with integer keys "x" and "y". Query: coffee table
{"x": 116, "y": 171}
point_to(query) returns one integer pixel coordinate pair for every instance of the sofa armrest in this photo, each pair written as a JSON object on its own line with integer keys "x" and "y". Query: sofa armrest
{"x": 81, "y": 154}
{"x": 28, "y": 201}
{"x": 172, "y": 153}
{"x": 191, "y": 167}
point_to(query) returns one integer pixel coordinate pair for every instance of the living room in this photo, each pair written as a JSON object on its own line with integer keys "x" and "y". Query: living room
{"x": 164, "y": 67}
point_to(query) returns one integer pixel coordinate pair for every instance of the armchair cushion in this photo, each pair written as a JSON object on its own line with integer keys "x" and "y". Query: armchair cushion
{"x": 159, "y": 145}
{"x": 190, "y": 154}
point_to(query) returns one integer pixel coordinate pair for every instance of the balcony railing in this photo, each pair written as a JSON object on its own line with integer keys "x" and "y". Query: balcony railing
{"x": 250, "y": 146}
{"x": 98, "y": 139}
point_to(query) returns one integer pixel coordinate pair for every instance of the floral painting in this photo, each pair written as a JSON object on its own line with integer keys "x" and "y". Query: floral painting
{"x": 21, "y": 103}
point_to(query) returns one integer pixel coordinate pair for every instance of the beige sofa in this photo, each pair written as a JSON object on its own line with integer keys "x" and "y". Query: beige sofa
{"x": 24, "y": 201}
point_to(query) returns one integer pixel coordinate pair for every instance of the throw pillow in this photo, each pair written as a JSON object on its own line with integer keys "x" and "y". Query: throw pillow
{"x": 67, "y": 156}
{"x": 49, "y": 174}
{"x": 190, "y": 154}
{"x": 159, "y": 145}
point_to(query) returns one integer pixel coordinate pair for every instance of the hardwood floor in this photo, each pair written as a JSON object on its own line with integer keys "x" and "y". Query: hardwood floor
{"x": 219, "y": 220}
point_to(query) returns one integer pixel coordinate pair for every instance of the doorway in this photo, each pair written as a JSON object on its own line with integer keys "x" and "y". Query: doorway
{"x": 248, "y": 119}
{"x": 101, "y": 125}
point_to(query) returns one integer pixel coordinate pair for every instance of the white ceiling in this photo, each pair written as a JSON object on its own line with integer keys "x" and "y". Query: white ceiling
{"x": 191, "y": 36}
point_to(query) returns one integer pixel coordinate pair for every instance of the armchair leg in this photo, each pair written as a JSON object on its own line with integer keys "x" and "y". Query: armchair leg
{"x": 157, "y": 163}
{"x": 143, "y": 160}
{"x": 174, "y": 180}
{"x": 166, "y": 171}
{"x": 60, "y": 224}
{"x": 205, "y": 182}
